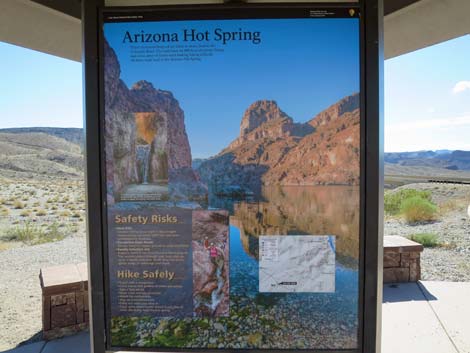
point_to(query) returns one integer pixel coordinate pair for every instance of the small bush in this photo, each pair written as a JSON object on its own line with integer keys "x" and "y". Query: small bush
{"x": 18, "y": 205}
{"x": 52, "y": 234}
{"x": 64, "y": 213}
{"x": 428, "y": 240}
{"x": 26, "y": 233}
{"x": 416, "y": 209}
{"x": 25, "y": 213}
{"x": 393, "y": 200}
{"x": 31, "y": 234}
{"x": 41, "y": 213}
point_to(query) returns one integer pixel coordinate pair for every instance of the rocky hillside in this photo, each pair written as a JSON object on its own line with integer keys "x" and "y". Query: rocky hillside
{"x": 74, "y": 135}
{"x": 39, "y": 152}
{"x": 273, "y": 150}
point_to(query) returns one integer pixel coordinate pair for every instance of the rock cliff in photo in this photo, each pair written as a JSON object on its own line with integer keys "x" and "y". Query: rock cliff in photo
{"x": 121, "y": 106}
{"x": 274, "y": 150}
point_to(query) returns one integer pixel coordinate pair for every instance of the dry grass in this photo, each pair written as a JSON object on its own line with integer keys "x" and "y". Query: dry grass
{"x": 41, "y": 213}
{"x": 18, "y": 205}
{"x": 25, "y": 213}
{"x": 452, "y": 206}
{"x": 45, "y": 209}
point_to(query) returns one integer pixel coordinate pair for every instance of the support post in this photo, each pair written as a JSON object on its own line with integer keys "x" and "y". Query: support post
{"x": 373, "y": 222}
{"x": 91, "y": 110}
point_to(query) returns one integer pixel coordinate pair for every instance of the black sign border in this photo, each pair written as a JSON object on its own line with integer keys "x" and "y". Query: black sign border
{"x": 371, "y": 199}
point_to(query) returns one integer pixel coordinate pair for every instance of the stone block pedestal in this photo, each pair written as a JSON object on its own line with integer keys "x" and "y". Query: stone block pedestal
{"x": 401, "y": 260}
{"x": 64, "y": 300}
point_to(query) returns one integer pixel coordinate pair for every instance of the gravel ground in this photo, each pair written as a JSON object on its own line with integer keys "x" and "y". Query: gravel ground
{"x": 20, "y": 291}
{"x": 450, "y": 262}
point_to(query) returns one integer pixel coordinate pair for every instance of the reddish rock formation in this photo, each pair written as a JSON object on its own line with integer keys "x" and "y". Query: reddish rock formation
{"x": 261, "y": 112}
{"x": 120, "y": 105}
{"x": 273, "y": 150}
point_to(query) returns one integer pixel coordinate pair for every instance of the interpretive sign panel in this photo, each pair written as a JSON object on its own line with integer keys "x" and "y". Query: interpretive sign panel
{"x": 232, "y": 164}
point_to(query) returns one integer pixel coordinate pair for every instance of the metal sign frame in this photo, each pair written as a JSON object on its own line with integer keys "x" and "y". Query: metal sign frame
{"x": 371, "y": 198}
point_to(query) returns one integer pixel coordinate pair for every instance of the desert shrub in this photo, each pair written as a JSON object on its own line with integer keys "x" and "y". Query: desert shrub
{"x": 3, "y": 246}
{"x": 32, "y": 234}
{"x": 25, "y": 213}
{"x": 17, "y": 204}
{"x": 64, "y": 213}
{"x": 41, "y": 212}
{"x": 52, "y": 234}
{"x": 393, "y": 200}
{"x": 25, "y": 233}
{"x": 452, "y": 205}
{"x": 71, "y": 228}
{"x": 416, "y": 209}
{"x": 76, "y": 215}
{"x": 4, "y": 212}
{"x": 428, "y": 240}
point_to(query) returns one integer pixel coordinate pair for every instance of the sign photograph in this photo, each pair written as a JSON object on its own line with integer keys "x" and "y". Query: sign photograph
{"x": 232, "y": 173}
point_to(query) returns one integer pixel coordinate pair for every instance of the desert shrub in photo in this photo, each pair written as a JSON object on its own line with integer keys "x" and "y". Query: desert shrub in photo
{"x": 393, "y": 200}
{"x": 428, "y": 240}
{"x": 416, "y": 209}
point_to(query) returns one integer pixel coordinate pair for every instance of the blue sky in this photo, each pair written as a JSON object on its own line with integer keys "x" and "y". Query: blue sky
{"x": 427, "y": 98}
{"x": 37, "y": 89}
{"x": 427, "y": 95}
{"x": 214, "y": 93}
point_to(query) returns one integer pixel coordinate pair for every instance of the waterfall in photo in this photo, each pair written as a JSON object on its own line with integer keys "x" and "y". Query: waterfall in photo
{"x": 143, "y": 160}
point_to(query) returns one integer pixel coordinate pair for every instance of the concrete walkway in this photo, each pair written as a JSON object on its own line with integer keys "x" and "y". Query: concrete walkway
{"x": 424, "y": 317}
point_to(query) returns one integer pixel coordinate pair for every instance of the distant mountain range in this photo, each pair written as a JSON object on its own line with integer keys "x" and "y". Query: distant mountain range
{"x": 74, "y": 135}
{"x": 443, "y": 159}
